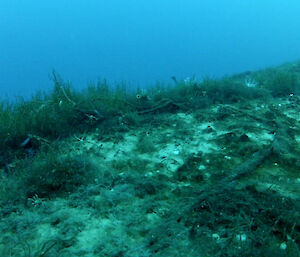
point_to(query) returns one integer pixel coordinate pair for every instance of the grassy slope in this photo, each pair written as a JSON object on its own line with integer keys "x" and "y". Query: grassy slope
{"x": 141, "y": 174}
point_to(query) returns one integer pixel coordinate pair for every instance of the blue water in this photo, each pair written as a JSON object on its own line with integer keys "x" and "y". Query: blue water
{"x": 140, "y": 41}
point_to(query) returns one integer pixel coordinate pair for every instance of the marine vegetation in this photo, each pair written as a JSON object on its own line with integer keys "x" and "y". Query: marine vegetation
{"x": 192, "y": 168}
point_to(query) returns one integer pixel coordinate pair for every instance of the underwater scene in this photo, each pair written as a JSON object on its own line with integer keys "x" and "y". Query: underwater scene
{"x": 200, "y": 168}
{"x": 155, "y": 128}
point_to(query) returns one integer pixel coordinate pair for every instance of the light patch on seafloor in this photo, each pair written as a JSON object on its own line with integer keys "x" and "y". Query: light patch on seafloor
{"x": 263, "y": 137}
{"x": 285, "y": 188}
{"x": 188, "y": 118}
{"x": 94, "y": 232}
{"x": 123, "y": 148}
{"x": 297, "y": 138}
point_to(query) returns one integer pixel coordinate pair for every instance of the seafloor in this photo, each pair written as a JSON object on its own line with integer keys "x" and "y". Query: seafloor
{"x": 223, "y": 180}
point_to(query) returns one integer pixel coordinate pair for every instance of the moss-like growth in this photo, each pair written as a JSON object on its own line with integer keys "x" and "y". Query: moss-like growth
{"x": 49, "y": 174}
{"x": 145, "y": 144}
{"x": 278, "y": 82}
